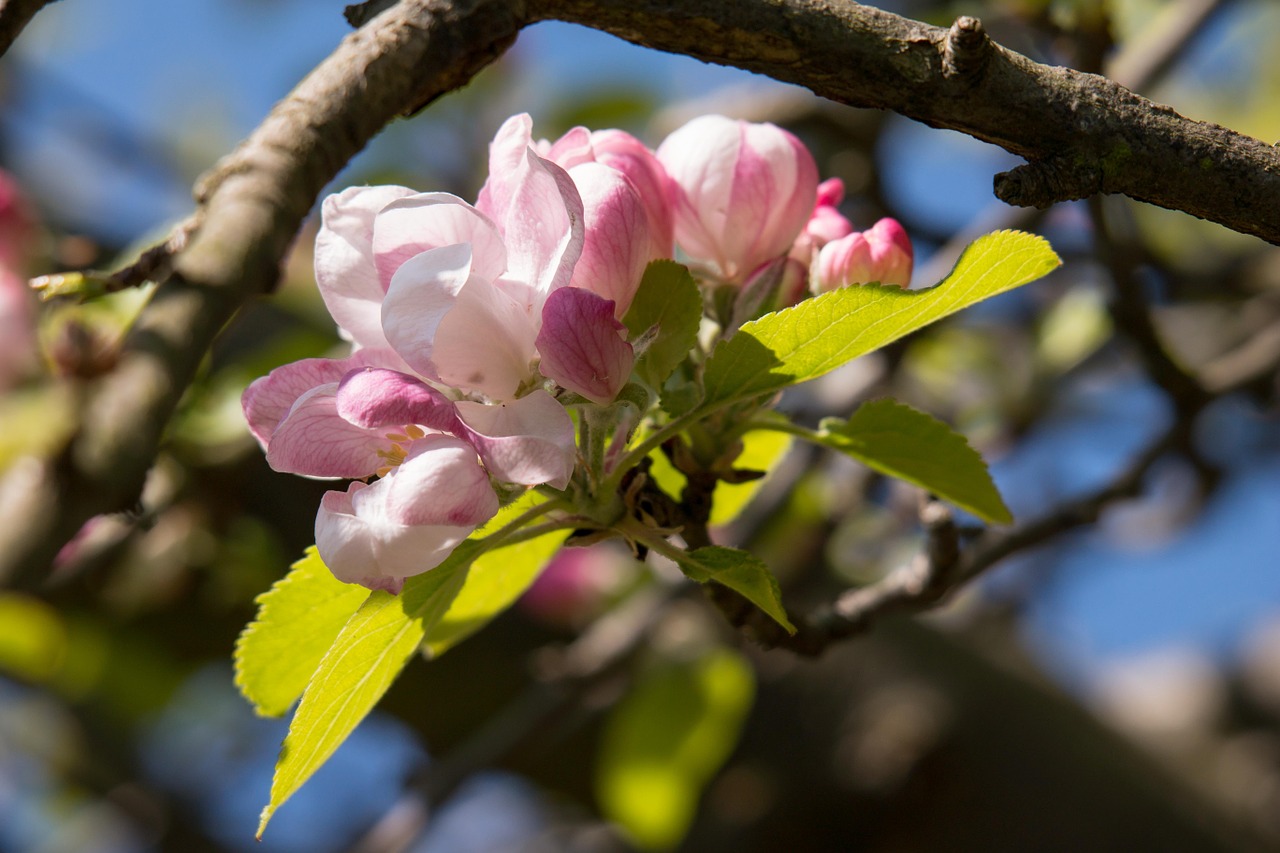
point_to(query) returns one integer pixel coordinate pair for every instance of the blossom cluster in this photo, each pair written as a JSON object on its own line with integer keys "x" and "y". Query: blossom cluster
{"x": 469, "y": 323}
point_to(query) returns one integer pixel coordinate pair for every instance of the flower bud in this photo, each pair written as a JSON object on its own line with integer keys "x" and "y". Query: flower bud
{"x": 743, "y": 192}
{"x": 880, "y": 254}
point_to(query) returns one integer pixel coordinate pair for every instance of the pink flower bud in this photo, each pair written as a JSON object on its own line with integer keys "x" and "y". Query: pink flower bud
{"x": 880, "y": 254}
{"x": 743, "y": 192}
{"x": 825, "y": 224}
{"x": 629, "y": 157}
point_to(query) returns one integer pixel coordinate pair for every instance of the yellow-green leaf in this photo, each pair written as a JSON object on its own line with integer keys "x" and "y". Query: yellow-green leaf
{"x": 901, "y": 442}
{"x": 818, "y": 335}
{"x": 742, "y": 573}
{"x": 298, "y": 620}
{"x": 366, "y": 657}
{"x": 666, "y": 739}
{"x": 494, "y": 581}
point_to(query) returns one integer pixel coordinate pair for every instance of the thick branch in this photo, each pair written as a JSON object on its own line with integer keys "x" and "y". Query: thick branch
{"x": 14, "y": 17}
{"x": 250, "y": 207}
{"x": 1082, "y": 134}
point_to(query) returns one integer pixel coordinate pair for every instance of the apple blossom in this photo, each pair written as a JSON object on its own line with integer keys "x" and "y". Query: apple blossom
{"x": 881, "y": 254}
{"x": 743, "y": 192}
{"x": 380, "y": 533}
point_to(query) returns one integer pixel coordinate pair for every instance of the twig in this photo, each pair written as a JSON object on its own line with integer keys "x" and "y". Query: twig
{"x": 14, "y": 17}
{"x": 942, "y": 568}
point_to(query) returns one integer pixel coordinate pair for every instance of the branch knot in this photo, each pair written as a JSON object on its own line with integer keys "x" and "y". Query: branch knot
{"x": 965, "y": 50}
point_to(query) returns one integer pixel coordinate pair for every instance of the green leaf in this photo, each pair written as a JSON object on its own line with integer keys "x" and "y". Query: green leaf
{"x": 742, "y": 573}
{"x": 494, "y": 581}
{"x": 298, "y": 620}
{"x": 817, "y": 335}
{"x": 666, "y": 739}
{"x": 901, "y": 442}
{"x": 368, "y": 654}
{"x": 667, "y": 305}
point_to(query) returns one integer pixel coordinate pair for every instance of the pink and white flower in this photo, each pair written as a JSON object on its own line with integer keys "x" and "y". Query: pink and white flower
{"x": 744, "y": 192}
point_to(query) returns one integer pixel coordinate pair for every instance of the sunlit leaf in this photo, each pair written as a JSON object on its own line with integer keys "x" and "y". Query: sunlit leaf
{"x": 667, "y": 305}
{"x": 494, "y": 581}
{"x": 901, "y": 442}
{"x": 298, "y": 620}
{"x": 666, "y": 739}
{"x": 817, "y": 335}
{"x": 742, "y": 573}
{"x": 370, "y": 651}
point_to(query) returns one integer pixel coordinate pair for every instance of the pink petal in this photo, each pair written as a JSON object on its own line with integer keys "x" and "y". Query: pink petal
{"x": 537, "y": 209}
{"x": 570, "y": 150}
{"x": 622, "y": 151}
{"x": 892, "y": 252}
{"x": 745, "y": 191}
{"x": 412, "y": 225}
{"x": 506, "y": 155}
{"x": 423, "y": 290}
{"x": 315, "y": 441}
{"x": 699, "y": 157}
{"x": 268, "y": 398}
{"x": 582, "y": 345}
{"x": 616, "y": 245}
{"x": 374, "y": 398}
{"x": 527, "y": 441}
{"x": 543, "y": 227}
{"x": 345, "y": 271}
{"x": 360, "y": 544}
{"x": 439, "y": 483}
{"x": 485, "y": 343}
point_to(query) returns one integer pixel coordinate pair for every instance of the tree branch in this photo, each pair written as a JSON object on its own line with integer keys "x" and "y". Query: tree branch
{"x": 1081, "y": 134}
{"x": 14, "y": 17}
{"x": 942, "y": 567}
{"x": 249, "y": 208}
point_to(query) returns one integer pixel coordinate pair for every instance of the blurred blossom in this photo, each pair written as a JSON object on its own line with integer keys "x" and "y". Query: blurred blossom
{"x": 17, "y": 303}
{"x": 1162, "y": 696}
{"x": 577, "y": 585}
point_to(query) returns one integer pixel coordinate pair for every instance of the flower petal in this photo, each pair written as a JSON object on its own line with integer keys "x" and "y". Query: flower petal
{"x": 423, "y": 290}
{"x": 527, "y": 441}
{"x": 268, "y": 398}
{"x": 345, "y": 271}
{"x": 537, "y": 209}
{"x": 439, "y": 483}
{"x": 315, "y": 441}
{"x": 412, "y": 225}
{"x": 376, "y": 399}
{"x": 485, "y": 343}
{"x": 616, "y": 245}
{"x": 360, "y": 544}
{"x": 582, "y": 345}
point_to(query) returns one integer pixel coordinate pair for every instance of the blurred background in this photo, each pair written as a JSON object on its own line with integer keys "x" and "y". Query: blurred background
{"x": 1115, "y": 688}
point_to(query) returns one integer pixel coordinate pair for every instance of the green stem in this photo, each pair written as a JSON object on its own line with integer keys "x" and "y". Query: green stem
{"x": 652, "y": 540}
{"x": 644, "y": 448}
{"x": 500, "y": 536}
